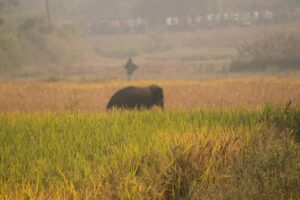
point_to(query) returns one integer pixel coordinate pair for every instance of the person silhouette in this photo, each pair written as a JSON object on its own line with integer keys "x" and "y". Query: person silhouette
{"x": 130, "y": 68}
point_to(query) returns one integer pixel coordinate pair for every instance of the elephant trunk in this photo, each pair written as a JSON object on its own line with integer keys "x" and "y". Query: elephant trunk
{"x": 161, "y": 104}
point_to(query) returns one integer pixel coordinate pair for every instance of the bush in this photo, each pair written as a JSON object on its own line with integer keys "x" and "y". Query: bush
{"x": 278, "y": 50}
{"x": 1, "y": 21}
{"x": 33, "y": 27}
{"x": 10, "y": 53}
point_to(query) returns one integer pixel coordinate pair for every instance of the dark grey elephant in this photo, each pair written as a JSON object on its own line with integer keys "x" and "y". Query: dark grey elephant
{"x": 137, "y": 97}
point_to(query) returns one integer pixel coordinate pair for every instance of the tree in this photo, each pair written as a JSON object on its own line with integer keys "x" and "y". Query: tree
{"x": 48, "y": 15}
{"x": 7, "y": 6}
{"x": 95, "y": 10}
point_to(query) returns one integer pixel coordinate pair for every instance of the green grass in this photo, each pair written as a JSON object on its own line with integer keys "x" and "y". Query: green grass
{"x": 228, "y": 154}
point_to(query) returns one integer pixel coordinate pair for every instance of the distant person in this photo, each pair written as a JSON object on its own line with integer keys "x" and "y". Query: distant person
{"x": 224, "y": 19}
{"x": 130, "y": 68}
{"x": 268, "y": 17}
{"x": 255, "y": 18}
{"x": 169, "y": 21}
{"x": 217, "y": 19}
{"x": 198, "y": 20}
{"x": 175, "y": 21}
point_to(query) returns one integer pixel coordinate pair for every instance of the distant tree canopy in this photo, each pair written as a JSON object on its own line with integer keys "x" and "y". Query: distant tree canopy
{"x": 95, "y": 9}
{"x": 8, "y": 5}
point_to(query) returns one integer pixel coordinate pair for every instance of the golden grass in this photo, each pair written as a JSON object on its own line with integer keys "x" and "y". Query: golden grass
{"x": 93, "y": 97}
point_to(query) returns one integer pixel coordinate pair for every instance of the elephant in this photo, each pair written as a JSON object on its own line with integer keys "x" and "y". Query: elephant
{"x": 137, "y": 97}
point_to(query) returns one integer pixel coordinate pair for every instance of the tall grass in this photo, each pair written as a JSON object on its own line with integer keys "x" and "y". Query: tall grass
{"x": 250, "y": 92}
{"x": 230, "y": 154}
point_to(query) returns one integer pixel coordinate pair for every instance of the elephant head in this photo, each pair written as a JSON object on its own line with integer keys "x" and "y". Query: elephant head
{"x": 157, "y": 95}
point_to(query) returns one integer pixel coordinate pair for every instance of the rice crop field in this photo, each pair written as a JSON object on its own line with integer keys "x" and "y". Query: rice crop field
{"x": 216, "y": 139}
{"x": 92, "y": 97}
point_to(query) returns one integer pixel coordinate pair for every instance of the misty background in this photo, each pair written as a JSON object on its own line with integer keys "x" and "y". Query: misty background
{"x": 95, "y": 10}
{"x": 167, "y": 39}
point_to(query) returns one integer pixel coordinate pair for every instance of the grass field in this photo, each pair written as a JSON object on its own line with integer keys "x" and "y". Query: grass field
{"x": 222, "y": 135}
{"x": 233, "y": 154}
{"x": 93, "y": 97}
{"x": 217, "y": 139}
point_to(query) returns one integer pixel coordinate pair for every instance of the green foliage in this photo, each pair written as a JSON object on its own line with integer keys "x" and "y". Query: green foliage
{"x": 2, "y": 6}
{"x": 8, "y": 6}
{"x": 25, "y": 41}
{"x": 277, "y": 50}
{"x": 18, "y": 38}
{"x": 10, "y": 53}
{"x": 233, "y": 154}
{"x": 266, "y": 169}
{"x": 1, "y": 21}
{"x": 33, "y": 27}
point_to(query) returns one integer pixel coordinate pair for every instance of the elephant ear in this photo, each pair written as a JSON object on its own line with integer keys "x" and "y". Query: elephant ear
{"x": 157, "y": 93}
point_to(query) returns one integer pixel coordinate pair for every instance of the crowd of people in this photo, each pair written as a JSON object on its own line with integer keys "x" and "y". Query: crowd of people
{"x": 213, "y": 20}
{"x": 118, "y": 26}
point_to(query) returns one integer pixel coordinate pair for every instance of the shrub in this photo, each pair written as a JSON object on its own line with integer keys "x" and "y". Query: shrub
{"x": 10, "y": 53}
{"x": 1, "y": 21}
{"x": 33, "y": 27}
{"x": 278, "y": 50}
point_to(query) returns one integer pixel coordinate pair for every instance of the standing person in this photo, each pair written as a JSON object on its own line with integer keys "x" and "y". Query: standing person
{"x": 130, "y": 68}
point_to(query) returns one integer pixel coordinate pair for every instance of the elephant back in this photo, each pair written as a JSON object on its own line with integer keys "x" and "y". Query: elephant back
{"x": 130, "y": 97}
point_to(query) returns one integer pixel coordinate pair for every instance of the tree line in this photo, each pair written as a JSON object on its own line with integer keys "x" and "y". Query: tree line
{"x": 95, "y": 9}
